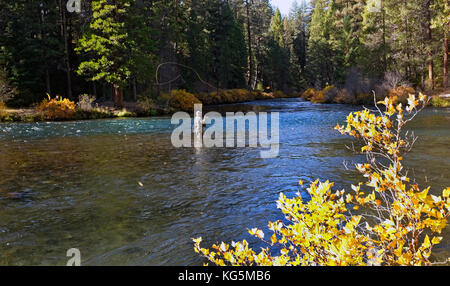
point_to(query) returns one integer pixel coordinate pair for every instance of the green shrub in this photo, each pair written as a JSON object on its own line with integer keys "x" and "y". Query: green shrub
{"x": 94, "y": 113}
{"x": 260, "y": 87}
{"x": 124, "y": 113}
{"x": 440, "y": 102}
{"x": 6, "y": 116}
{"x": 35, "y": 117}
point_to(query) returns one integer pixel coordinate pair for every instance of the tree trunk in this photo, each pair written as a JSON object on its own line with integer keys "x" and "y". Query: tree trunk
{"x": 429, "y": 38}
{"x": 249, "y": 42}
{"x": 117, "y": 96}
{"x": 407, "y": 45}
{"x": 66, "y": 49}
{"x": 133, "y": 83}
{"x": 446, "y": 52}
{"x": 384, "y": 37}
{"x": 94, "y": 89}
{"x": 44, "y": 51}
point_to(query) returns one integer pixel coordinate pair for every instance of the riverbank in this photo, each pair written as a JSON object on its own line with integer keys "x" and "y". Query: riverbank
{"x": 181, "y": 100}
{"x": 400, "y": 94}
{"x": 166, "y": 104}
{"x": 100, "y": 112}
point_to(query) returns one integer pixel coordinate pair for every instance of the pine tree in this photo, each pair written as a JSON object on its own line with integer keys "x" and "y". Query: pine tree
{"x": 441, "y": 22}
{"x": 320, "y": 57}
{"x": 233, "y": 55}
{"x": 142, "y": 43}
{"x": 30, "y": 48}
{"x": 300, "y": 21}
{"x": 345, "y": 35}
{"x": 260, "y": 40}
{"x": 105, "y": 46}
{"x": 277, "y": 29}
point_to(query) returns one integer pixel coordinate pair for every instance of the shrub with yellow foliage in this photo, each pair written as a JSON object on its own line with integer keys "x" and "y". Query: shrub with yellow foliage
{"x": 183, "y": 100}
{"x": 211, "y": 98}
{"x": 400, "y": 223}
{"x": 236, "y": 96}
{"x": 308, "y": 94}
{"x": 3, "y": 112}
{"x": 57, "y": 108}
{"x": 2, "y": 106}
{"x": 326, "y": 95}
{"x": 319, "y": 97}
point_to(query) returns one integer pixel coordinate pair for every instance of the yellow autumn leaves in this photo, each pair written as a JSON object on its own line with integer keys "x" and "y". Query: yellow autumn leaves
{"x": 56, "y": 108}
{"x": 397, "y": 223}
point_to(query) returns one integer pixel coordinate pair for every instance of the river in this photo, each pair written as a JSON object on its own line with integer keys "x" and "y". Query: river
{"x": 119, "y": 192}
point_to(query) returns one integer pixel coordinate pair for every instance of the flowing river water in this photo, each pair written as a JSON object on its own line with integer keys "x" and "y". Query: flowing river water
{"x": 119, "y": 192}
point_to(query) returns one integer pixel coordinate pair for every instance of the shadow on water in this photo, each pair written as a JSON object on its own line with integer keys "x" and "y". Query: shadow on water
{"x": 119, "y": 191}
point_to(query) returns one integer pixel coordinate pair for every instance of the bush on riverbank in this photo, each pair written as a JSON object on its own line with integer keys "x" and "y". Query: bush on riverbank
{"x": 145, "y": 106}
{"x": 326, "y": 95}
{"x": 182, "y": 100}
{"x": 94, "y": 113}
{"x": 85, "y": 102}
{"x": 228, "y": 96}
{"x": 2, "y": 108}
{"x": 13, "y": 117}
{"x": 308, "y": 94}
{"x": 4, "y": 115}
{"x": 225, "y": 96}
{"x": 331, "y": 94}
{"x": 177, "y": 100}
{"x": 57, "y": 108}
{"x": 437, "y": 101}
{"x": 386, "y": 220}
